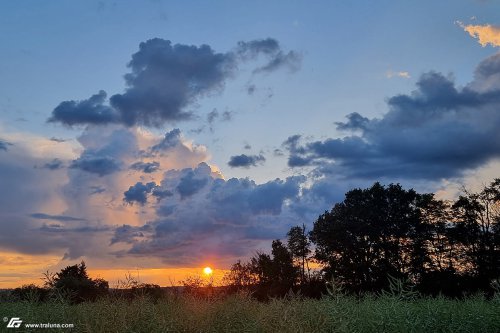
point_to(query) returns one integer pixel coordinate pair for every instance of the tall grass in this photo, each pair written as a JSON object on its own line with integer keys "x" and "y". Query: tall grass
{"x": 241, "y": 313}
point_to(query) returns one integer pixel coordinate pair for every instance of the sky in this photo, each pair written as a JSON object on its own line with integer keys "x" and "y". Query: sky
{"x": 160, "y": 137}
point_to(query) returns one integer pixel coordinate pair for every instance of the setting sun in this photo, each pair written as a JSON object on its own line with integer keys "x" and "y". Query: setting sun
{"x": 207, "y": 271}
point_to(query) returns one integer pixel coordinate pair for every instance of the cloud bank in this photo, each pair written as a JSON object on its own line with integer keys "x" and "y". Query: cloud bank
{"x": 438, "y": 131}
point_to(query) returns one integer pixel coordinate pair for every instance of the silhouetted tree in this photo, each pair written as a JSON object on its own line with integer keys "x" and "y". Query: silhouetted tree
{"x": 372, "y": 234}
{"x": 299, "y": 246}
{"x": 75, "y": 280}
{"x": 240, "y": 276}
{"x": 477, "y": 229}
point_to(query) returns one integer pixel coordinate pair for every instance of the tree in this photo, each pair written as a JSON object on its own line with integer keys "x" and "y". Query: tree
{"x": 370, "y": 235}
{"x": 75, "y": 280}
{"x": 299, "y": 246}
{"x": 240, "y": 276}
{"x": 477, "y": 228}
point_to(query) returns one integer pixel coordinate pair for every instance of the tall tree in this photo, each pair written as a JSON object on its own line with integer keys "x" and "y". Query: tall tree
{"x": 477, "y": 229}
{"x": 299, "y": 246}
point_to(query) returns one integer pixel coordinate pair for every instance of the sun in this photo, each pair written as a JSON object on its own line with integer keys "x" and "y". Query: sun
{"x": 207, "y": 271}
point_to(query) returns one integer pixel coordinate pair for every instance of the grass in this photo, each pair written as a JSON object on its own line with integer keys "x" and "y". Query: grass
{"x": 240, "y": 313}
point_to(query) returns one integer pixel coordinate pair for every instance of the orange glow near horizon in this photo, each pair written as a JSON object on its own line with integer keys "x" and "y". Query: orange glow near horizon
{"x": 31, "y": 272}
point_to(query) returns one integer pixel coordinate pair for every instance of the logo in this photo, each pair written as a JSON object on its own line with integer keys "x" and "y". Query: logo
{"x": 14, "y": 322}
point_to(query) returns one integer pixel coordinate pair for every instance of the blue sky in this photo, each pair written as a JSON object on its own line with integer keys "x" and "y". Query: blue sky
{"x": 345, "y": 58}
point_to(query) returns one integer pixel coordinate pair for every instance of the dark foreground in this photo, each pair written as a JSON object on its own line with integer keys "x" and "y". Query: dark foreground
{"x": 240, "y": 313}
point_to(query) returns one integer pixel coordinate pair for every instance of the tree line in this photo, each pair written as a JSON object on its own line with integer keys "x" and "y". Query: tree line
{"x": 382, "y": 233}
{"x": 371, "y": 239}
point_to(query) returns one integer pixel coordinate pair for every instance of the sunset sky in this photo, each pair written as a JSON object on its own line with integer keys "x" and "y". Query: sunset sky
{"x": 161, "y": 137}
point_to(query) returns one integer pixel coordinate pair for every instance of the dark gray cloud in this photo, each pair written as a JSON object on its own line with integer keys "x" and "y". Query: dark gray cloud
{"x": 276, "y": 57}
{"x": 100, "y": 165}
{"x": 88, "y": 111}
{"x": 171, "y": 139}
{"x": 438, "y": 131}
{"x": 165, "y": 79}
{"x": 58, "y": 140}
{"x": 54, "y": 164}
{"x": 4, "y": 144}
{"x": 245, "y": 161}
{"x": 57, "y": 228}
{"x": 291, "y": 60}
{"x": 190, "y": 183}
{"x": 355, "y": 121}
{"x": 214, "y": 115}
{"x": 61, "y": 218}
{"x": 130, "y": 234}
{"x": 138, "y": 193}
{"x": 96, "y": 190}
{"x": 146, "y": 167}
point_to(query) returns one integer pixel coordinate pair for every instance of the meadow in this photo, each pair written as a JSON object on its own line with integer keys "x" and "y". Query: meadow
{"x": 242, "y": 313}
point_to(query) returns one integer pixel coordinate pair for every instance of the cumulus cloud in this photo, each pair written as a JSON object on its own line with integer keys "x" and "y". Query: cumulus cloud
{"x": 438, "y": 131}
{"x": 165, "y": 79}
{"x": 138, "y": 192}
{"x": 485, "y": 34}
{"x": 207, "y": 216}
{"x": 89, "y": 111}
{"x": 171, "y": 139}
{"x": 245, "y": 161}
{"x": 100, "y": 165}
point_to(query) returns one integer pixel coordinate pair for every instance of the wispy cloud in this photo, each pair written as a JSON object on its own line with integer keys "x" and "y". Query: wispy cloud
{"x": 486, "y": 34}
{"x": 403, "y": 74}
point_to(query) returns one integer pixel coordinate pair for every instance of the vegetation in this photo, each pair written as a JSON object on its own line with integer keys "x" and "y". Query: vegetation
{"x": 241, "y": 313}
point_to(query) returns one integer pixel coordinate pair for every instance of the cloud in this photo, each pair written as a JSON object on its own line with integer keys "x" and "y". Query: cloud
{"x": 138, "y": 192}
{"x": 171, "y": 139}
{"x": 403, "y": 74}
{"x": 4, "y": 144}
{"x": 129, "y": 234}
{"x": 100, "y": 165}
{"x": 486, "y": 34}
{"x": 438, "y": 131}
{"x": 54, "y": 164}
{"x": 355, "y": 122}
{"x": 213, "y": 115}
{"x": 193, "y": 181}
{"x": 147, "y": 167}
{"x": 212, "y": 217}
{"x": 165, "y": 79}
{"x": 269, "y": 47}
{"x": 89, "y": 111}
{"x": 245, "y": 161}
{"x": 57, "y": 139}
{"x": 61, "y": 218}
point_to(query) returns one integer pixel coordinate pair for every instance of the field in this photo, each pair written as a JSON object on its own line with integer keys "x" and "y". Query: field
{"x": 240, "y": 313}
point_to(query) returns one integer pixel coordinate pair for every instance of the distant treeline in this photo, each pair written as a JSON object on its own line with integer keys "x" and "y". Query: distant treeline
{"x": 376, "y": 239}
{"x": 383, "y": 234}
